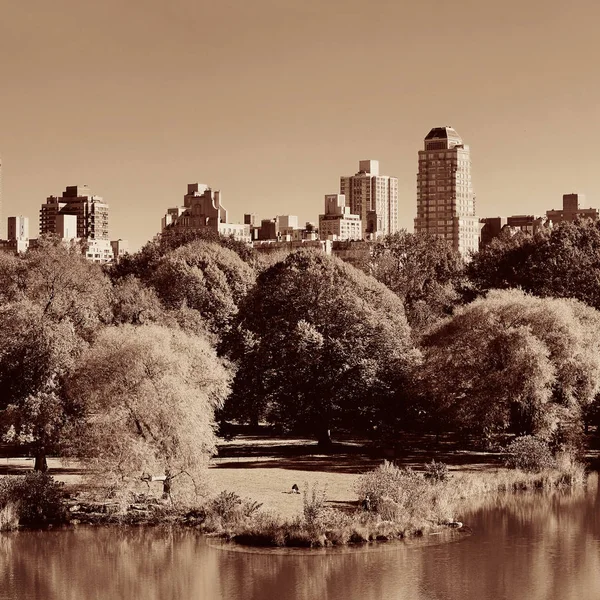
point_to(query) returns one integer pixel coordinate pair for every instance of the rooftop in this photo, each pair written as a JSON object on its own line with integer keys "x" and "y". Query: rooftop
{"x": 443, "y": 133}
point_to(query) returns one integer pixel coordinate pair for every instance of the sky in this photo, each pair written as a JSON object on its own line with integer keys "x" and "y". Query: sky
{"x": 271, "y": 101}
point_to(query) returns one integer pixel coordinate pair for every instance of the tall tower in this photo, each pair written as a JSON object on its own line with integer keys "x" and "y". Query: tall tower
{"x": 445, "y": 199}
{"x": 373, "y": 197}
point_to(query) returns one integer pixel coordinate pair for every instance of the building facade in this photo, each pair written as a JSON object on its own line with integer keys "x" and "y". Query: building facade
{"x": 338, "y": 223}
{"x": 373, "y": 197}
{"x": 573, "y": 209}
{"x": 492, "y": 227}
{"x": 445, "y": 199}
{"x": 18, "y": 228}
{"x": 18, "y": 235}
{"x": 202, "y": 209}
{"x": 119, "y": 248}
{"x": 79, "y": 215}
{"x": 91, "y": 213}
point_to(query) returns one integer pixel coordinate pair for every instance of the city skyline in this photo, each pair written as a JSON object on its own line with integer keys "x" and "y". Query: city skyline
{"x": 137, "y": 99}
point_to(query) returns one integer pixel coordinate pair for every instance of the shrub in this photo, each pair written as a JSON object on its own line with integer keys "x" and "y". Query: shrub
{"x": 568, "y": 438}
{"x": 404, "y": 496}
{"x": 313, "y": 504}
{"x": 225, "y": 505}
{"x": 36, "y": 498}
{"x": 530, "y": 454}
{"x": 437, "y": 471}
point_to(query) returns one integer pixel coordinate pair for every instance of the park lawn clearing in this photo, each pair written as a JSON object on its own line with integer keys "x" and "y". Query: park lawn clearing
{"x": 272, "y": 486}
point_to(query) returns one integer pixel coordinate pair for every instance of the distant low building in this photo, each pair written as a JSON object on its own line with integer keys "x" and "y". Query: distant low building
{"x": 338, "y": 223}
{"x": 270, "y": 246}
{"x": 202, "y": 209}
{"x": 573, "y": 209}
{"x": 282, "y": 228}
{"x": 119, "y": 248}
{"x": 491, "y": 227}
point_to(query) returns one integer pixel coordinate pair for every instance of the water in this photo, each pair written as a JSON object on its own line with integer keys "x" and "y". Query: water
{"x": 533, "y": 546}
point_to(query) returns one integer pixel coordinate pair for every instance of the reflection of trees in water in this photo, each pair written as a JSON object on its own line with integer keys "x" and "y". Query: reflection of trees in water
{"x": 388, "y": 573}
{"x": 535, "y": 545}
{"x": 106, "y": 563}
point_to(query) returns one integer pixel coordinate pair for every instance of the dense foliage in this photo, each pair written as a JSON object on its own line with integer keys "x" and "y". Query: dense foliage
{"x": 126, "y": 367}
{"x": 319, "y": 344}
{"x": 559, "y": 262}
{"x": 512, "y": 362}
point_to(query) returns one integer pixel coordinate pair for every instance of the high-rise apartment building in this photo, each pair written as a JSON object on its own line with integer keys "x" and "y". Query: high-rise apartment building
{"x": 78, "y": 214}
{"x": 90, "y": 210}
{"x": 445, "y": 199}
{"x": 373, "y": 197}
{"x": 18, "y": 228}
{"x": 17, "y": 234}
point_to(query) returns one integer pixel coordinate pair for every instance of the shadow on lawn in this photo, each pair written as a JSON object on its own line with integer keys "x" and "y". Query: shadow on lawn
{"x": 23, "y": 469}
{"x": 347, "y": 457}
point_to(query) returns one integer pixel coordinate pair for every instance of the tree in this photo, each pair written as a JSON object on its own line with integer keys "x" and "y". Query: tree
{"x": 205, "y": 277}
{"x": 52, "y": 302}
{"x": 56, "y": 277}
{"x": 135, "y": 303}
{"x": 423, "y": 270}
{"x": 36, "y": 353}
{"x": 143, "y": 263}
{"x": 512, "y": 362}
{"x": 559, "y": 262}
{"x": 318, "y": 344}
{"x": 149, "y": 394}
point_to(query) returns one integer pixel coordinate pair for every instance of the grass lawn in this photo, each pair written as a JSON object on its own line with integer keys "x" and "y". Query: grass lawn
{"x": 265, "y": 468}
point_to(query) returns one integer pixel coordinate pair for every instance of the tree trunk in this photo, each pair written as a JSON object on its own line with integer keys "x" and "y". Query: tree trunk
{"x": 167, "y": 485}
{"x": 41, "y": 464}
{"x": 324, "y": 438}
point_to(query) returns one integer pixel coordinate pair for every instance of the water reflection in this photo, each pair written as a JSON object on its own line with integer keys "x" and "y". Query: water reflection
{"x": 534, "y": 546}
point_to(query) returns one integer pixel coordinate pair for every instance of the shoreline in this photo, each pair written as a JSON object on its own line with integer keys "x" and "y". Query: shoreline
{"x": 256, "y": 509}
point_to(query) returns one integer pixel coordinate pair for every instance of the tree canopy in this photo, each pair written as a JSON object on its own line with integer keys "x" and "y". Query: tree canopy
{"x": 148, "y": 394}
{"x": 512, "y": 362}
{"x": 319, "y": 344}
{"x": 423, "y": 270}
{"x": 205, "y": 277}
{"x": 559, "y": 262}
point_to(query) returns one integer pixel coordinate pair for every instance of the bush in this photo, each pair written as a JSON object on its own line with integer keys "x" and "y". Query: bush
{"x": 568, "y": 438}
{"x": 406, "y": 497}
{"x": 437, "y": 471}
{"x": 313, "y": 504}
{"x": 36, "y": 499}
{"x": 529, "y": 453}
{"x": 225, "y": 505}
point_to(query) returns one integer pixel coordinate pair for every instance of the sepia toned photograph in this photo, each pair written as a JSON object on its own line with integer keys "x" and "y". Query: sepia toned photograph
{"x": 299, "y": 300}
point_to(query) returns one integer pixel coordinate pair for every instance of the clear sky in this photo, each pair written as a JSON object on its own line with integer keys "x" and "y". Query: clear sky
{"x": 270, "y": 101}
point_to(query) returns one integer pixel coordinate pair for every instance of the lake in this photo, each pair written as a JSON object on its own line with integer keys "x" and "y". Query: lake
{"x": 529, "y": 546}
